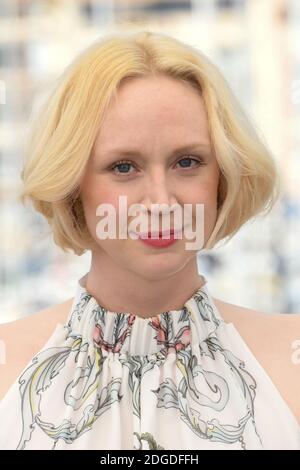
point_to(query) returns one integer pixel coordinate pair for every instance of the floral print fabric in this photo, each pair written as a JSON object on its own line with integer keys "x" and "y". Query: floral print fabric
{"x": 183, "y": 379}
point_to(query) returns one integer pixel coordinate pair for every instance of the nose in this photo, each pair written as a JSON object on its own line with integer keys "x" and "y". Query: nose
{"x": 158, "y": 191}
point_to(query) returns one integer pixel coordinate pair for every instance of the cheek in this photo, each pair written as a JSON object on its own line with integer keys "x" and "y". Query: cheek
{"x": 205, "y": 193}
{"x": 94, "y": 193}
{"x": 210, "y": 193}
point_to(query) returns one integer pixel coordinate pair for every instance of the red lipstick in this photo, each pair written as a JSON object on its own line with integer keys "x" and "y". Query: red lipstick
{"x": 155, "y": 239}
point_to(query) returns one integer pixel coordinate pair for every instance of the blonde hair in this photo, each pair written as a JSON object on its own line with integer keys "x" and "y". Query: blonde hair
{"x": 67, "y": 124}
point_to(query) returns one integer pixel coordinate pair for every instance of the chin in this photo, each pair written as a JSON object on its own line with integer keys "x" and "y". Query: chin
{"x": 159, "y": 267}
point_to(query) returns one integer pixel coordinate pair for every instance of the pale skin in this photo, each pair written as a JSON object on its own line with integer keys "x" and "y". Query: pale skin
{"x": 155, "y": 116}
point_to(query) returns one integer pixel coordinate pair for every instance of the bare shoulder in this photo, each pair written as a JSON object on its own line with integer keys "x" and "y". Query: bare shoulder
{"x": 21, "y": 339}
{"x": 274, "y": 339}
{"x": 280, "y": 326}
{"x": 35, "y": 328}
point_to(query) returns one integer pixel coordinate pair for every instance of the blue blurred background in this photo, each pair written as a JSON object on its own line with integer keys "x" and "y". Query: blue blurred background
{"x": 256, "y": 45}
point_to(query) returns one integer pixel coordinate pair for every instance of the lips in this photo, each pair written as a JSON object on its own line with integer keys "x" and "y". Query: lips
{"x": 159, "y": 234}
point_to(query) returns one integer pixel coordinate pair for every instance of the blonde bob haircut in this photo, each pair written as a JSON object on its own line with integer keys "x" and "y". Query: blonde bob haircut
{"x": 64, "y": 131}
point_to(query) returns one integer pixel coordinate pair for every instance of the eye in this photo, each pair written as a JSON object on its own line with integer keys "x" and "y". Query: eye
{"x": 187, "y": 160}
{"x": 123, "y": 166}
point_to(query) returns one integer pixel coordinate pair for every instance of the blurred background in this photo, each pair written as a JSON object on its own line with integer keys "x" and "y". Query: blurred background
{"x": 255, "y": 43}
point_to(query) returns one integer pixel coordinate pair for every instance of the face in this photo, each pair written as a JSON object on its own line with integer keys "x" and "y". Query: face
{"x": 158, "y": 128}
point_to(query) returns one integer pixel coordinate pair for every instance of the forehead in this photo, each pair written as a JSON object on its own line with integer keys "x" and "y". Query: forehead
{"x": 155, "y": 106}
{"x": 149, "y": 94}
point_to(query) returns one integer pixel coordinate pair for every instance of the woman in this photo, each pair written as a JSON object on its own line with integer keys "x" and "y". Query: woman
{"x": 142, "y": 348}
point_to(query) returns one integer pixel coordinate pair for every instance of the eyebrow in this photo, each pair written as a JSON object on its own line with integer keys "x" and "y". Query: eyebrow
{"x": 131, "y": 152}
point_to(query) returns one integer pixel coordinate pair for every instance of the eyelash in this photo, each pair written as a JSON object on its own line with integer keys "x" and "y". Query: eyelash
{"x": 200, "y": 162}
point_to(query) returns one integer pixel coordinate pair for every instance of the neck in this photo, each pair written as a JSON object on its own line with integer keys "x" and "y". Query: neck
{"x": 122, "y": 290}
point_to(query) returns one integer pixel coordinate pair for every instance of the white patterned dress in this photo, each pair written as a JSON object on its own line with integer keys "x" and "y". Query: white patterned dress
{"x": 183, "y": 379}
